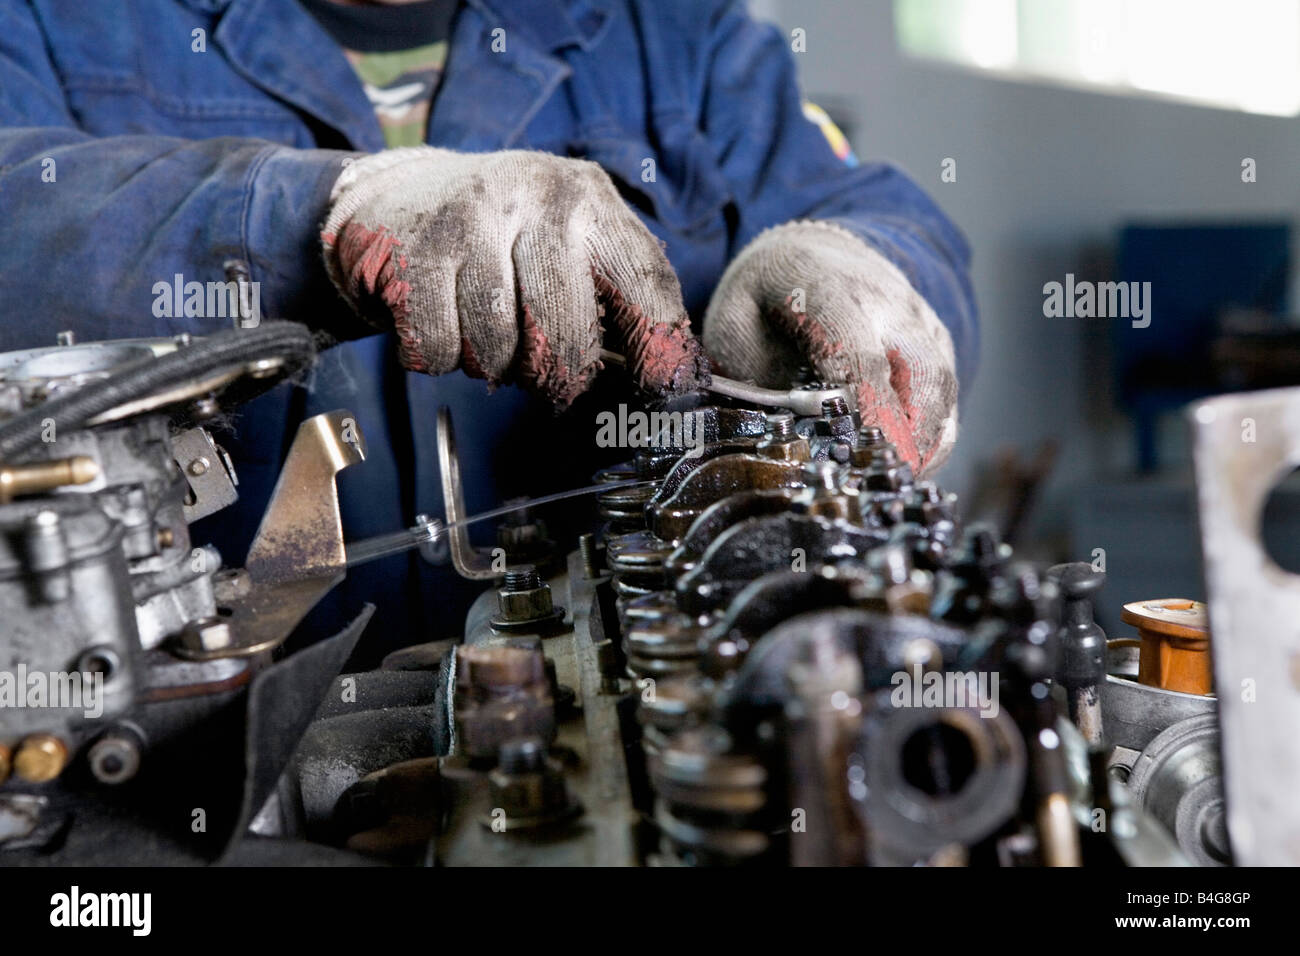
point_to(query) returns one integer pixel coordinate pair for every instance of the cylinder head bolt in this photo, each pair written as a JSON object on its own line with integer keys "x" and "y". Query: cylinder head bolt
{"x": 838, "y": 428}
{"x": 527, "y": 787}
{"x": 501, "y": 693}
{"x": 524, "y": 603}
{"x": 783, "y": 442}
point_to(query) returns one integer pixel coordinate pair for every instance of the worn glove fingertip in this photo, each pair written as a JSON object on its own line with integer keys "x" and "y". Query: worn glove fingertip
{"x": 541, "y": 369}
{"x": 879, "y": 406}
{"x": 665, "y": 358}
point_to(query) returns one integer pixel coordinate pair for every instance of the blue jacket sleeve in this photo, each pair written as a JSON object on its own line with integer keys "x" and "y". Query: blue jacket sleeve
{"x": 92, "y": 224}
{"x": 781, "y": 167}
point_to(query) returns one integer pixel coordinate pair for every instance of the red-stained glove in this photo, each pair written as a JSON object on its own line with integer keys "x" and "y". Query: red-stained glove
{"x": 812, "y": 292}
{"x": 502, "y": 264}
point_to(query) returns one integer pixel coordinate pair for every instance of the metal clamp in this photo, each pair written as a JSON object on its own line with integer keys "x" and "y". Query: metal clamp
{"x": 469, "y": 561}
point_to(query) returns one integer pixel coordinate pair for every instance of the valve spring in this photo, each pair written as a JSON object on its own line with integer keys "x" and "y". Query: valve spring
{"x": 716, "y": 815}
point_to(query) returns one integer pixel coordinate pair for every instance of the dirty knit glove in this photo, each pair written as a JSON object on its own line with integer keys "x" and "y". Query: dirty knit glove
{"x": 814, "y": 293}
{"x": 502, "y": 264}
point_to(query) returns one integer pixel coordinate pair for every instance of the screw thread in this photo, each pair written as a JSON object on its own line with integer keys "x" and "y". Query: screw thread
{"x": 523, "y": 578}
{"x": 834, "y": 407}
{"x": 781, "y": 425}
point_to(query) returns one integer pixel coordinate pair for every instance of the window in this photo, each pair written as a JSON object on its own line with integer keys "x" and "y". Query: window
{"x": 1243, "y": 54}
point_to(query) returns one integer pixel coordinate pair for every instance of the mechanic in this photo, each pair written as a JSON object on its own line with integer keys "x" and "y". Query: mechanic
{"x": 492, "y": 184}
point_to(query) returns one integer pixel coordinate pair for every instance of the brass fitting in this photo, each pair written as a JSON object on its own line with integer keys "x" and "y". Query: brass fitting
{"x": 40, "y": 758}
{"x": 41, "y": 476}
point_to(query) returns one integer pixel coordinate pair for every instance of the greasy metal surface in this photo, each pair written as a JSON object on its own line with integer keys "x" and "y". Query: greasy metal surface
{"x": 301, "y": 534}
{"x": 744, "y": 551}
{"x": 1135, "y": 713}
{"x": 596, "y": 771}
{"x": 208, "y": 471}
{"x": 721, "y": 515}
{"x": 1177, "y": 779}
{"x": 1253, "y": 607}
{"x": 801, "y": 401}
{"x": 909, "y": 823}
{"x": 298, "y": 553}
{"x": 29, "y": 376}
{"x": 670, "y": 517}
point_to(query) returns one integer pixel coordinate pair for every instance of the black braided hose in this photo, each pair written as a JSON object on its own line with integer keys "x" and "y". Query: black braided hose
{"x": 290, "y": 342}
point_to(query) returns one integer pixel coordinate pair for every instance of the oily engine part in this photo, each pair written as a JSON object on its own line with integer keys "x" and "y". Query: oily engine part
{"x": 148, "y": 656}
{"x": 776, "y": 646}
{"x": 779, "y": 649}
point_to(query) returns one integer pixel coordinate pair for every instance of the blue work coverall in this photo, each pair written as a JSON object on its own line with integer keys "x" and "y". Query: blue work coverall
{"x": 140, "y": 139}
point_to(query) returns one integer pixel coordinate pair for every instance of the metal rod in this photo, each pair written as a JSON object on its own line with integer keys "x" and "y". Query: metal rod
{"x": 805, "y": 402}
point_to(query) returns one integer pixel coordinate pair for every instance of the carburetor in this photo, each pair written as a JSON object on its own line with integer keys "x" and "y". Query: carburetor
{"x": 124, "y": 641}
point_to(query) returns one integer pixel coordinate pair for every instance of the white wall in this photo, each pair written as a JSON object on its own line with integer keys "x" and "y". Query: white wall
{"x": 1043, "y": 174}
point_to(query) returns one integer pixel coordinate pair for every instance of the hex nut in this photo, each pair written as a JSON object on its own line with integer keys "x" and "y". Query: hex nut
{"x": 207, "y": 634}
{"x": 528, "y": 605}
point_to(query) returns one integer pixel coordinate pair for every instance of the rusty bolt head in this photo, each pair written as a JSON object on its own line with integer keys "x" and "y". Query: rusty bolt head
{"x": 835, "y": 407}
{"x": 887, "y": 471}
{"x": 528, "y": 784}
{"x": 501, "y": 693}
{"x": 40, "y": 758}
{"x": 499, "y": 668}
{"x": 822, "y": 475}
{"x": 522, "y": 755}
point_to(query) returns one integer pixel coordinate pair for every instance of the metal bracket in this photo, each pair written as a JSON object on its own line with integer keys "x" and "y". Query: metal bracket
{"x": 298, "y": 553}
{"x": 1253, "y": 608}
{"x": 301, "y": 534}
{"x": 469, "y": 561}
{"x": 208, "y": 470}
